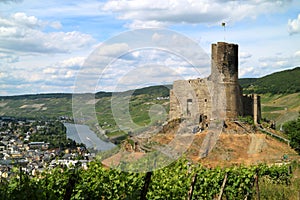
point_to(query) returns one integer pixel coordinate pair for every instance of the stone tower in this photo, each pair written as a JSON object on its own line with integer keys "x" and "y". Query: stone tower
{"x": 224, "y": 73}
{"x": 224, "y": 62}
{"x": 217, "y": 97}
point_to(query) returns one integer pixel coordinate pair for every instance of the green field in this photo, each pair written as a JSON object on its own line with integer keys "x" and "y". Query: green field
{"x": 143, "y": 104}
{"x": 280, "y": 103}
{"x": 280, "y": 108}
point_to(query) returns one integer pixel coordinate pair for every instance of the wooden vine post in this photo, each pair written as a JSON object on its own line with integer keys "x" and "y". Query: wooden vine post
{"x": 194, "y": 180}
{"x": 223, "y": 186}
{"x": 146, "y": 185}
{"x": 257, "y": 185}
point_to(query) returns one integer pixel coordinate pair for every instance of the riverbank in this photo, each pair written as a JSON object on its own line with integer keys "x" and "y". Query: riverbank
{"x": 83, "y": 134}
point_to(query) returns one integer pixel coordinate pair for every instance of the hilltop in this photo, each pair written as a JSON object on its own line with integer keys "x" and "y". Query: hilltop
{"x": 238, "y": 143}
{"x": 283, "y": 82}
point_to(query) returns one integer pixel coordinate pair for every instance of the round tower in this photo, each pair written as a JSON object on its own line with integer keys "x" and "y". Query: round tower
{"x": 224, "y": 73}
{"x": 224, "y": 58}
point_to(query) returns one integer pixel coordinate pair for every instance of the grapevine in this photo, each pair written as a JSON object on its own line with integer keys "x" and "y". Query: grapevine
{"x": 173, "y": 182}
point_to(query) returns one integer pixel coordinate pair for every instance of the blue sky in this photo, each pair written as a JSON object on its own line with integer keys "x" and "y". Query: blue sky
{"x": 44, "y": 44}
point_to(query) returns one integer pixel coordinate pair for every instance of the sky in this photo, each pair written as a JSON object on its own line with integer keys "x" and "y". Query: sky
{"x": 59, "y": 46}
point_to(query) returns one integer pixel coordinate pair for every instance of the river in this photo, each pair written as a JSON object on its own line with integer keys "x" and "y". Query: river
{"x": 83, "y": 134}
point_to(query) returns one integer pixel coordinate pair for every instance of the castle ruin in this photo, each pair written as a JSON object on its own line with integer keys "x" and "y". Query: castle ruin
{"x": 217, "y": 97}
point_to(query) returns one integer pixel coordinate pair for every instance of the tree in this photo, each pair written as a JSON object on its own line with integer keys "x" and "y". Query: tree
{"x": 292, "y": 129}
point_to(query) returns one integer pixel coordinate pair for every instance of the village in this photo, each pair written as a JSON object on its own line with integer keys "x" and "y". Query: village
{"x": 32, "y": 146}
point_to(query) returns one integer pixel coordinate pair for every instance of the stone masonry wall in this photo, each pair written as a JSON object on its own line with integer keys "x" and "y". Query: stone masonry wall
{"x": 217, "y": 97}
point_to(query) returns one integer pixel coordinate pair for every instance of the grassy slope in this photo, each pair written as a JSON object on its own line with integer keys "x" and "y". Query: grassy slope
{"x": 284, "y": 82}
{"x": 36, "y": 108}
{"x": 277, "y": 104}
{"x": 280, "y": 108}
{"x": 56, "y": 105}
{"x": 140, "y": 103}
{"x": 280, "y": 94}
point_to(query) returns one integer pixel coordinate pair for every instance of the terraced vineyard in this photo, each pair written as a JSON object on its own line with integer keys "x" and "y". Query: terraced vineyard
{"x": 280, "y": 105}
{"x": 280, "y": 108}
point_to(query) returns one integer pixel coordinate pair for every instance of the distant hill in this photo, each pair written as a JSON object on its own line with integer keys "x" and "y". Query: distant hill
{"x": 280, "y": 94}
{"x": 54, "y": 105}
{"x": 38, "y": 96}
{"x": 284, "y": 82}
{"x": 159, "y": 90}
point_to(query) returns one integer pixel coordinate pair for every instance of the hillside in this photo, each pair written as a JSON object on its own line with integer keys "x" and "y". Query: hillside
{"x": 280, "y": 94}
{"x": 284, "y": 82}
{"x": 53, "y": 106}
{"x": 37, "y": 106}
{"x": 279, "y": 97}
{"x": 280, "y": 107}
{"x": 237, "y": 144}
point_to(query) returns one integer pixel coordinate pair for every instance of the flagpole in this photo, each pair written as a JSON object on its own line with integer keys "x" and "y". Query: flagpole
{"x": 224, "y": 25}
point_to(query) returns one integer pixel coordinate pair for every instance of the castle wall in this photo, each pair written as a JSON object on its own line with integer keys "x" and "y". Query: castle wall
{"x": 252, "y": 107}
{"x": 247, "y": 105}
{"x": 190, "y": 98}
{"x": 256, "y": 109}
{"x": 217, "y": 97}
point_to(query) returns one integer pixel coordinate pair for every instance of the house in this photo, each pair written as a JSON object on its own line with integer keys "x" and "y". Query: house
{"x": 2, "y": 147}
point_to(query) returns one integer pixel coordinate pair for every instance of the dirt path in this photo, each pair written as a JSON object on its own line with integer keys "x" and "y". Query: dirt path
{"x": 209, "y": 143}
{"x": 257, "y": 144}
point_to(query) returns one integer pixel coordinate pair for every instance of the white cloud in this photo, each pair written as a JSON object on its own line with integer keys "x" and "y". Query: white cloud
{"x": 64, "y": 69}
{"x": 7, "y": 58}
{"x": 260, "y": 65}
{"x": 297, "y": 54}
{"x": 22, "y": 33}
{"x": 56, "y": 25}
{"x": 243, "y": 71}
{"x": 8, "y": 31}
{"x": 11, "y": 1}
{"x": 245, "y": 55}
{"x": 55, "y": 9}
{"x": 146, "y": 13}
{"x": 57, "y": 77}
{"x": 113, "y": 50}
{"x": 112, "y": 61}
{"x": 71, "y": 62}
{"x": 149, "y": 67}
{"x": 279, "y": 62}
{"x": 33, "y": 51}
{"x": 49, "y": 70}
{"x": 145, "y": 24}
{"x": 22, "y": 19}
{"x": 294, "y": 25}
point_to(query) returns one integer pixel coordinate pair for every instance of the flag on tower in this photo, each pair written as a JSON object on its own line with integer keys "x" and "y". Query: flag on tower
{"x": 223, "y": 25}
